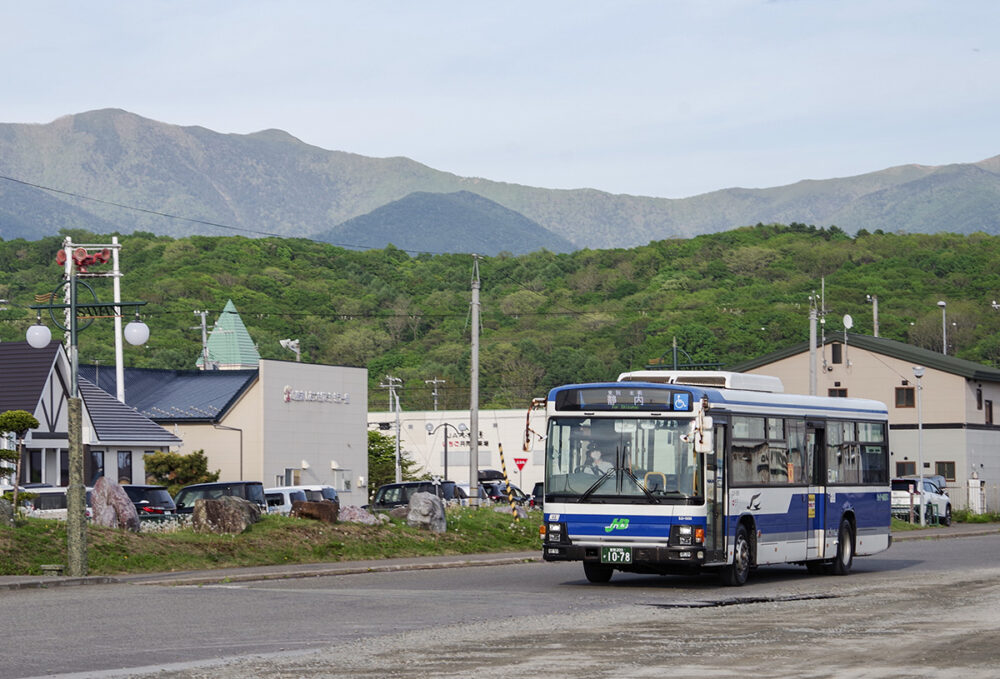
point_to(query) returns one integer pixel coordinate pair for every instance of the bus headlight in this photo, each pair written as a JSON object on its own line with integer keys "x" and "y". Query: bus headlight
{"x": 685, "y": 535}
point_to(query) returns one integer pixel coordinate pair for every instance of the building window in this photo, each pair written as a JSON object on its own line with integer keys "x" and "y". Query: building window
{"x": 836, "y": 353}
{"x": 64, "y": 468}
{"x": 979, "y": 398}
{"x": 906, "y": 468}
{"x": 905, "y": 397}
{"x": 124, "y": 466}
{"x": 989, "y": 411}
{"x": 837, "y": 393}
{"x": 93, "y": 467}
{"x": 945, "y": 469}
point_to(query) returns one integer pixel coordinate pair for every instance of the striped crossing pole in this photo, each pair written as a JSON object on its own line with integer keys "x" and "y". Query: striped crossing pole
{"x": 510, "y": 493}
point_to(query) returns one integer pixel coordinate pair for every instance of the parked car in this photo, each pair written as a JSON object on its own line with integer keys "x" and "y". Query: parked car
{"x": 280, "y": 499}
{"x": 151, "y": 501}
{"x": 497, "y": 492}
{"x": 50, "y": 502}
{"x": 393, "y": 495}
{"x": 463, "y": 488}
{"x": 934, "y": 496}
{"x": 538, "y": 495}
{"x": 320, "y": 493}
{"x": 248, "y": 490}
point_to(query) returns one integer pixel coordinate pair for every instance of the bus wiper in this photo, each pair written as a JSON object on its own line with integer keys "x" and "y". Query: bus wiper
{"x": 597, "y": 484}
{"x": 652, "y": 498}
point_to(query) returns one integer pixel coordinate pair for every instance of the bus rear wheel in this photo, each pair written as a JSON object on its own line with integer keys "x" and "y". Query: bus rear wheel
{"x": 845, "y": 549}
{"x": 597, "y": 572}
{"x": 736, "y": 573}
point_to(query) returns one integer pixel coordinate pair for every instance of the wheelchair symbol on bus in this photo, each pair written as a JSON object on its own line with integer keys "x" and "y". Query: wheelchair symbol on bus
{"x": 682, "y": 401}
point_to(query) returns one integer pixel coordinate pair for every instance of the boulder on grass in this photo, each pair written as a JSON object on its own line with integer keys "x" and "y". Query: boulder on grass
{"x": 112, "y": 506}
{"x": 226, "y": 515}
{"x": 427, "y": 512}
{"x": 355, "y": 514}
{"x": 325, "y": 510}
{"x": 399, "y": 512}
{"x": 518, "y": 511}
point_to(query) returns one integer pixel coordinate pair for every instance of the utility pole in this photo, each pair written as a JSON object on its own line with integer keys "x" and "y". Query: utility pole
{"x": 474, "y": 390}
{"x": 204, "y": 339}
{"x": 391, "y": 384}
{"x": 434, "y": 393}
{"x": 812, "y": 344}
{"x": 116, "y": 288}
{"x": 874, "y": 300}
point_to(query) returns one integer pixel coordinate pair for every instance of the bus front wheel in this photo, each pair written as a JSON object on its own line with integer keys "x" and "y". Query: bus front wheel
{"x": 845, "y": 549}
{"x": 736, "y": 573}
{"x": 597, "y": 572}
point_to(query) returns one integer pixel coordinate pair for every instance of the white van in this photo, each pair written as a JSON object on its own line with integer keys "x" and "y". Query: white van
{"x": 280, "y": 499}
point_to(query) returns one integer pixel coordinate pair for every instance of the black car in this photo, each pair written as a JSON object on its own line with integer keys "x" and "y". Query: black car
{"x": 248, "y": 490}
{"x": 393, "y": 495}
{"x": 497, "y": 492}
{"x": 150, "y": 501}
{"x": 538, "y": 495}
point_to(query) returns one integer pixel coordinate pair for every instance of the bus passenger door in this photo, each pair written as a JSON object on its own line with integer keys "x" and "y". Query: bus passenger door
{"x": 715, "y": 498}
{"x": 815, "y": 467}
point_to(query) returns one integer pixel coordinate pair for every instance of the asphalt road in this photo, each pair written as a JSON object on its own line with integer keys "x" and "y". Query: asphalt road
{"x": 921, "y": 609}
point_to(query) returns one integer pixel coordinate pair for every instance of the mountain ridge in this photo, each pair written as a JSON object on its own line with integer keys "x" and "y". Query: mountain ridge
{"x": 272, "y": 183}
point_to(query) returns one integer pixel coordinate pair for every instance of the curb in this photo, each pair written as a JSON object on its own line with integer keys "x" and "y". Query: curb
{"x": 920, "y": 535}
{"x": 324, "y": 570}
{"x": 222, "y": 577}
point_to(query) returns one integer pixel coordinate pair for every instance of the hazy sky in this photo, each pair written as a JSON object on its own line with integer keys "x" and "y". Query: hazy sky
{"x": 662, "y": 98}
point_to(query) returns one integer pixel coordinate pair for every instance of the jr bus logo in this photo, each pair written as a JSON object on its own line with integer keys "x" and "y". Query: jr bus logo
{"x": 616, "y": 524}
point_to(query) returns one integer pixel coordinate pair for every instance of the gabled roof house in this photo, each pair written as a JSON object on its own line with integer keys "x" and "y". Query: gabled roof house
{"x": 115, "y": 436}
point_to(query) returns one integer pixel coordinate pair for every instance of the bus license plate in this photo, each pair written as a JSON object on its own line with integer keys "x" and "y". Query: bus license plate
{"x": 622, "y": 555}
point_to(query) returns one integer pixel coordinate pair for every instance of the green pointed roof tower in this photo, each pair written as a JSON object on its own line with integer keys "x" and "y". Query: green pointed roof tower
{"x": 229, "y": 344}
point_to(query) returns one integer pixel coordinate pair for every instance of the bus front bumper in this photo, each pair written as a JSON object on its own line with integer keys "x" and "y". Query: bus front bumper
{"x": 642, "y": 559}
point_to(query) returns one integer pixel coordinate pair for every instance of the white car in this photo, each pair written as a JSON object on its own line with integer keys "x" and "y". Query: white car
{"x": 905, "y": 494}
{"x": 280, "y": 499}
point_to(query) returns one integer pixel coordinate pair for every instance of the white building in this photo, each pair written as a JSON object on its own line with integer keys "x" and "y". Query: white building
{"x": 520, "y": 438}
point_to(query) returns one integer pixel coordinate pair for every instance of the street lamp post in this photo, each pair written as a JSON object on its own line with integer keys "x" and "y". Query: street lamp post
{"x": 944, "y": 326}
{"x": 77, "y": 259}
{"x": 918, "y": 372}
{"x": 431, "y": 429}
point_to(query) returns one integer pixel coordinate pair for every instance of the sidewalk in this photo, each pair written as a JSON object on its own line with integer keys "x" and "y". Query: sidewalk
{"x": 229, "y": 575}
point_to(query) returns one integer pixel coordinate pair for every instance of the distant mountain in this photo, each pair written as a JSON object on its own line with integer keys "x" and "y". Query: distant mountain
{"x": 272, "y": 183}
{"x": 447, "y": 222}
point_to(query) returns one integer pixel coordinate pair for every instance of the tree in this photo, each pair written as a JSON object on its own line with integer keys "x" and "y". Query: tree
{"x": 175, "y": 471}
{"x": 17, "y": 422}
{"x": 382, "y": 461}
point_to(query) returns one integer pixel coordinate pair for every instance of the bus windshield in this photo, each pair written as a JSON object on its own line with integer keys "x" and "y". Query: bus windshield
{"x": 638, "y": 460}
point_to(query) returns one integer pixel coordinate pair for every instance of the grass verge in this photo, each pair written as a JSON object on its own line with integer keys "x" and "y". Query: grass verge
{"x": 274, "y": 540}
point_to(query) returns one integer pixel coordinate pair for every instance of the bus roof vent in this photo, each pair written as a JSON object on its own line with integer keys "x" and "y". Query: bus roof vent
{"x": 707, "y": 378}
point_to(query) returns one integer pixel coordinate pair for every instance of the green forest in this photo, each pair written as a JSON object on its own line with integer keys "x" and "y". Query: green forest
{"x": 546, "y": 318}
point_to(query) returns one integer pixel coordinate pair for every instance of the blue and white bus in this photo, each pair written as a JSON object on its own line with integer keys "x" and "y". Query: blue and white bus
{"x": 684, "y": 472}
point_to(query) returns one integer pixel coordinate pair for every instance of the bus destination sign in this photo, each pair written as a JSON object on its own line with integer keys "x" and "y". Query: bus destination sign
{"x": 623, "y": 398}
